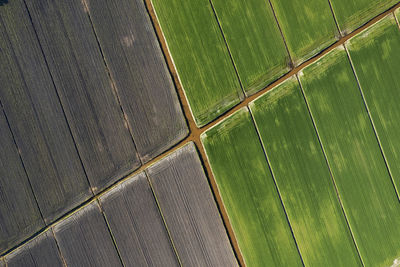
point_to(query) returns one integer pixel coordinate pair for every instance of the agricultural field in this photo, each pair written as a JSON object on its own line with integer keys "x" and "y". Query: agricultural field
{"x": 303, "y": 178}
{"x": 329, "y": 139}
{"x": 260, "y": 57}
{"x": 375, "y": 54}
{"x": 250, "y": 197}
{"x": 201, "y": 58}
{"x": 307, "y": 25}
{"x": 226, "y": 49}
{"x": 199, "y": 133}
{"x": 352, "y": 14}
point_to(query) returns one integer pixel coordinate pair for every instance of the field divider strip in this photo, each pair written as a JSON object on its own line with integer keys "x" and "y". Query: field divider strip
{"x": 334, "y": 17}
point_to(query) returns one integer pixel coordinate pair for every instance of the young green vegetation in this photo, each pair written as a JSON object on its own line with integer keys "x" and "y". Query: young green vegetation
{"x": 249, "y": 193}
{"x": 352, "y": 14}
{"x": 307, "y": 25}
{"x": 375, "y": 54}
{"x": 200, "y": 56}
{"x": 353, "y": 153}
{"x": 397, "y": 14}
{"x": 254, "y": 40}
{"x": 303, "y": 178}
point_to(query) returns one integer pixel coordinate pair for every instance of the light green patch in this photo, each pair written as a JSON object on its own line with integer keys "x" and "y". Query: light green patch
{"x": 350, "y": 15}
{"x": 254, "y": 40}
{"x": 353, "y": 153}
{"x": 249, "y": 194}
{"x": 303, "y": 177}
{"x": 200, "y": 56}
{"x": 307, "y": 25}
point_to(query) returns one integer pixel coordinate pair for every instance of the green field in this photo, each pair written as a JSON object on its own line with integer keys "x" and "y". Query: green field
{"x": 254, "y": 40}
{"x": 354, "y": 155}
{"x": 200, "y": 56}
{"x": 375, "y": 54}
{"x": 249, "y": 193}
{"x": 307, "y": 25}
{"x": 304, "y": 181}
{"x": 353, "y": 14}
{"x": 322, "y": 150}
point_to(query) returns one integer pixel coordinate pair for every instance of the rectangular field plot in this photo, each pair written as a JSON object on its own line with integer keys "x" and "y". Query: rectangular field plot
{"x": 136, "y": 224}
{"x": 303, "y": 178}
{"x": 84, "y": 239}
{"x": 249, "y": 193}
{"x": 41, "y": 251}
{"x": 80, "y": 76}
{"x": 139, "y": 71}
{"x": 375, "y": 54}
{"x": 353, "y": 14}
{"x": 353, "y": 153}
{"x": 254, "y": 40}
{"x": 200, "y": 56}
{"x": 189, "y": 209}
{"x": 36, "y": 117}
{"x": 20, "y": 215}
{"x": 307, "y": 25}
